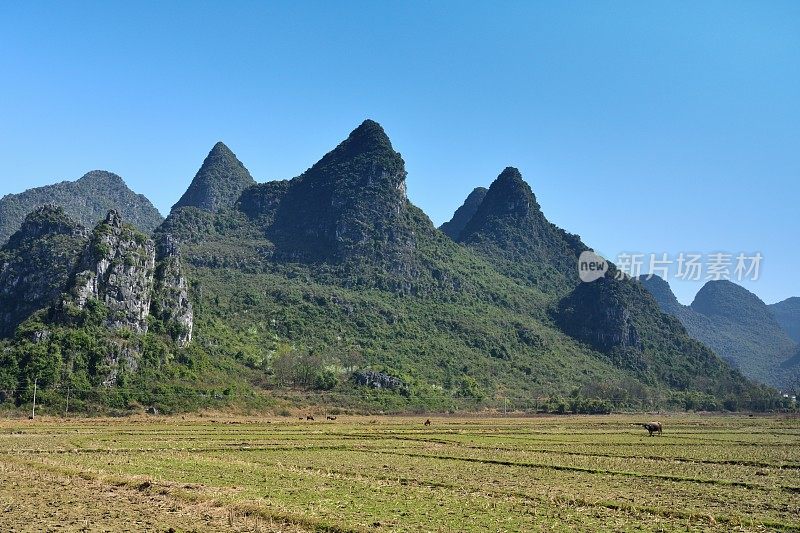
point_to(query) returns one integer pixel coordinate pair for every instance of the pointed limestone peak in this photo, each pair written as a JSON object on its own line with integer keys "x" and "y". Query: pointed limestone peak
{"x": 510, "y": 230}
{"x": 507, "y": 203}
{"x": 368, "y": 143}
{"x": 220, "y": 148}
{"x": 351, "y": 203}
{"x": 464, "y": 214}
{"x": 510, "y": 174}
{"x": 511, "y": 189}
{"x": 369, "y": 133}
{"x": 363, "y": 161}
{"x": 218, "y": 183}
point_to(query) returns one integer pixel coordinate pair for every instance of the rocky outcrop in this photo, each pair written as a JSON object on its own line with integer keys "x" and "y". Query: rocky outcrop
{"x": 378, "y": 380}
{"x": 597, "y": 313}
{"x": 171, "y": 304}
{"x": 117, "y": 269}
{"x": 122, "y": 357}
{"x": 36, "y": 263}
{"x": 510, "y": 230}
{"x": 115, "y": 272}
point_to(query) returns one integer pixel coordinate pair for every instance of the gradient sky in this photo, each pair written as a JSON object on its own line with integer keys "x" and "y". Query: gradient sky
{"x": 643, "y": 126}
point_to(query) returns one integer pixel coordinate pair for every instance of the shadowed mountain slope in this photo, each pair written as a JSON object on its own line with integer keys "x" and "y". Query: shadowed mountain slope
{"x": 453, "y": 227}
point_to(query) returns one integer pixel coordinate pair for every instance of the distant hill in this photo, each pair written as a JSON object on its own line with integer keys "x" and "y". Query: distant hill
{"x": 787, "y": 313}
{"x": 736, "y": 324}
{"x": 218, "y": 183}
{"x": 453, "y": 227}
{"x": 86, "y": 200}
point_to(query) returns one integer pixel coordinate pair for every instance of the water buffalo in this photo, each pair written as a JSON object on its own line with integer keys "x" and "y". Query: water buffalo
{"x": 652, "y": 428}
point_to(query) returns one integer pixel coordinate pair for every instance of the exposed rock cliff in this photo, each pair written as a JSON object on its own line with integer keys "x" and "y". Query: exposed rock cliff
{"x": 601, "y": 313}
{"x": 171, "y": 304}
{"x": 117, "y": 269}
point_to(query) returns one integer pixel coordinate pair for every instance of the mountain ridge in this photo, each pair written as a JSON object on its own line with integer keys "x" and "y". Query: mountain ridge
{"x": 305, "y": 284}
{"x": 87, "y": 200}
{"x": 735, "y": 323}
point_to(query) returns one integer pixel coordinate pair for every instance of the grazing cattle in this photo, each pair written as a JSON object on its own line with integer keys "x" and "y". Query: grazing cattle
{"x": 652, "y": 428}
{"x": 428, "y": 422}
{"x": 310, "y": 418}
{"x": 330, "y": 417}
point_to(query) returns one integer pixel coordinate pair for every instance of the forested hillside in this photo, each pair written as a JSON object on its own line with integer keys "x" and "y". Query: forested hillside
{"x": 333, "y": 287}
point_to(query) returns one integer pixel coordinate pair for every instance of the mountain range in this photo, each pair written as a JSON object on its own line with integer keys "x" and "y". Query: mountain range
{"x": 333, "y": 283}
{"x": 739, "y": 327}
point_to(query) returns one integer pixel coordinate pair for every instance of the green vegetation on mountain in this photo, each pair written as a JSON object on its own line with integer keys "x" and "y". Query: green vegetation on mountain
{"x": 300, "y": 288}
{"x": 510, "y": 231}
{"x": 218, "y": 183}
{"x": 622, "y": 320}
{"x": 36, "y": 263}
{"x": 86, "y": 200}
{"x": 736, "y": 324}
{"x": 616, "y": 318}
{"x": 337, "y": 263}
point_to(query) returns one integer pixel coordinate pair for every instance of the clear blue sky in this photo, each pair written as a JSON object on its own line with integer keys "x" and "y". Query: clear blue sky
{"x": 642, "y": 126}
